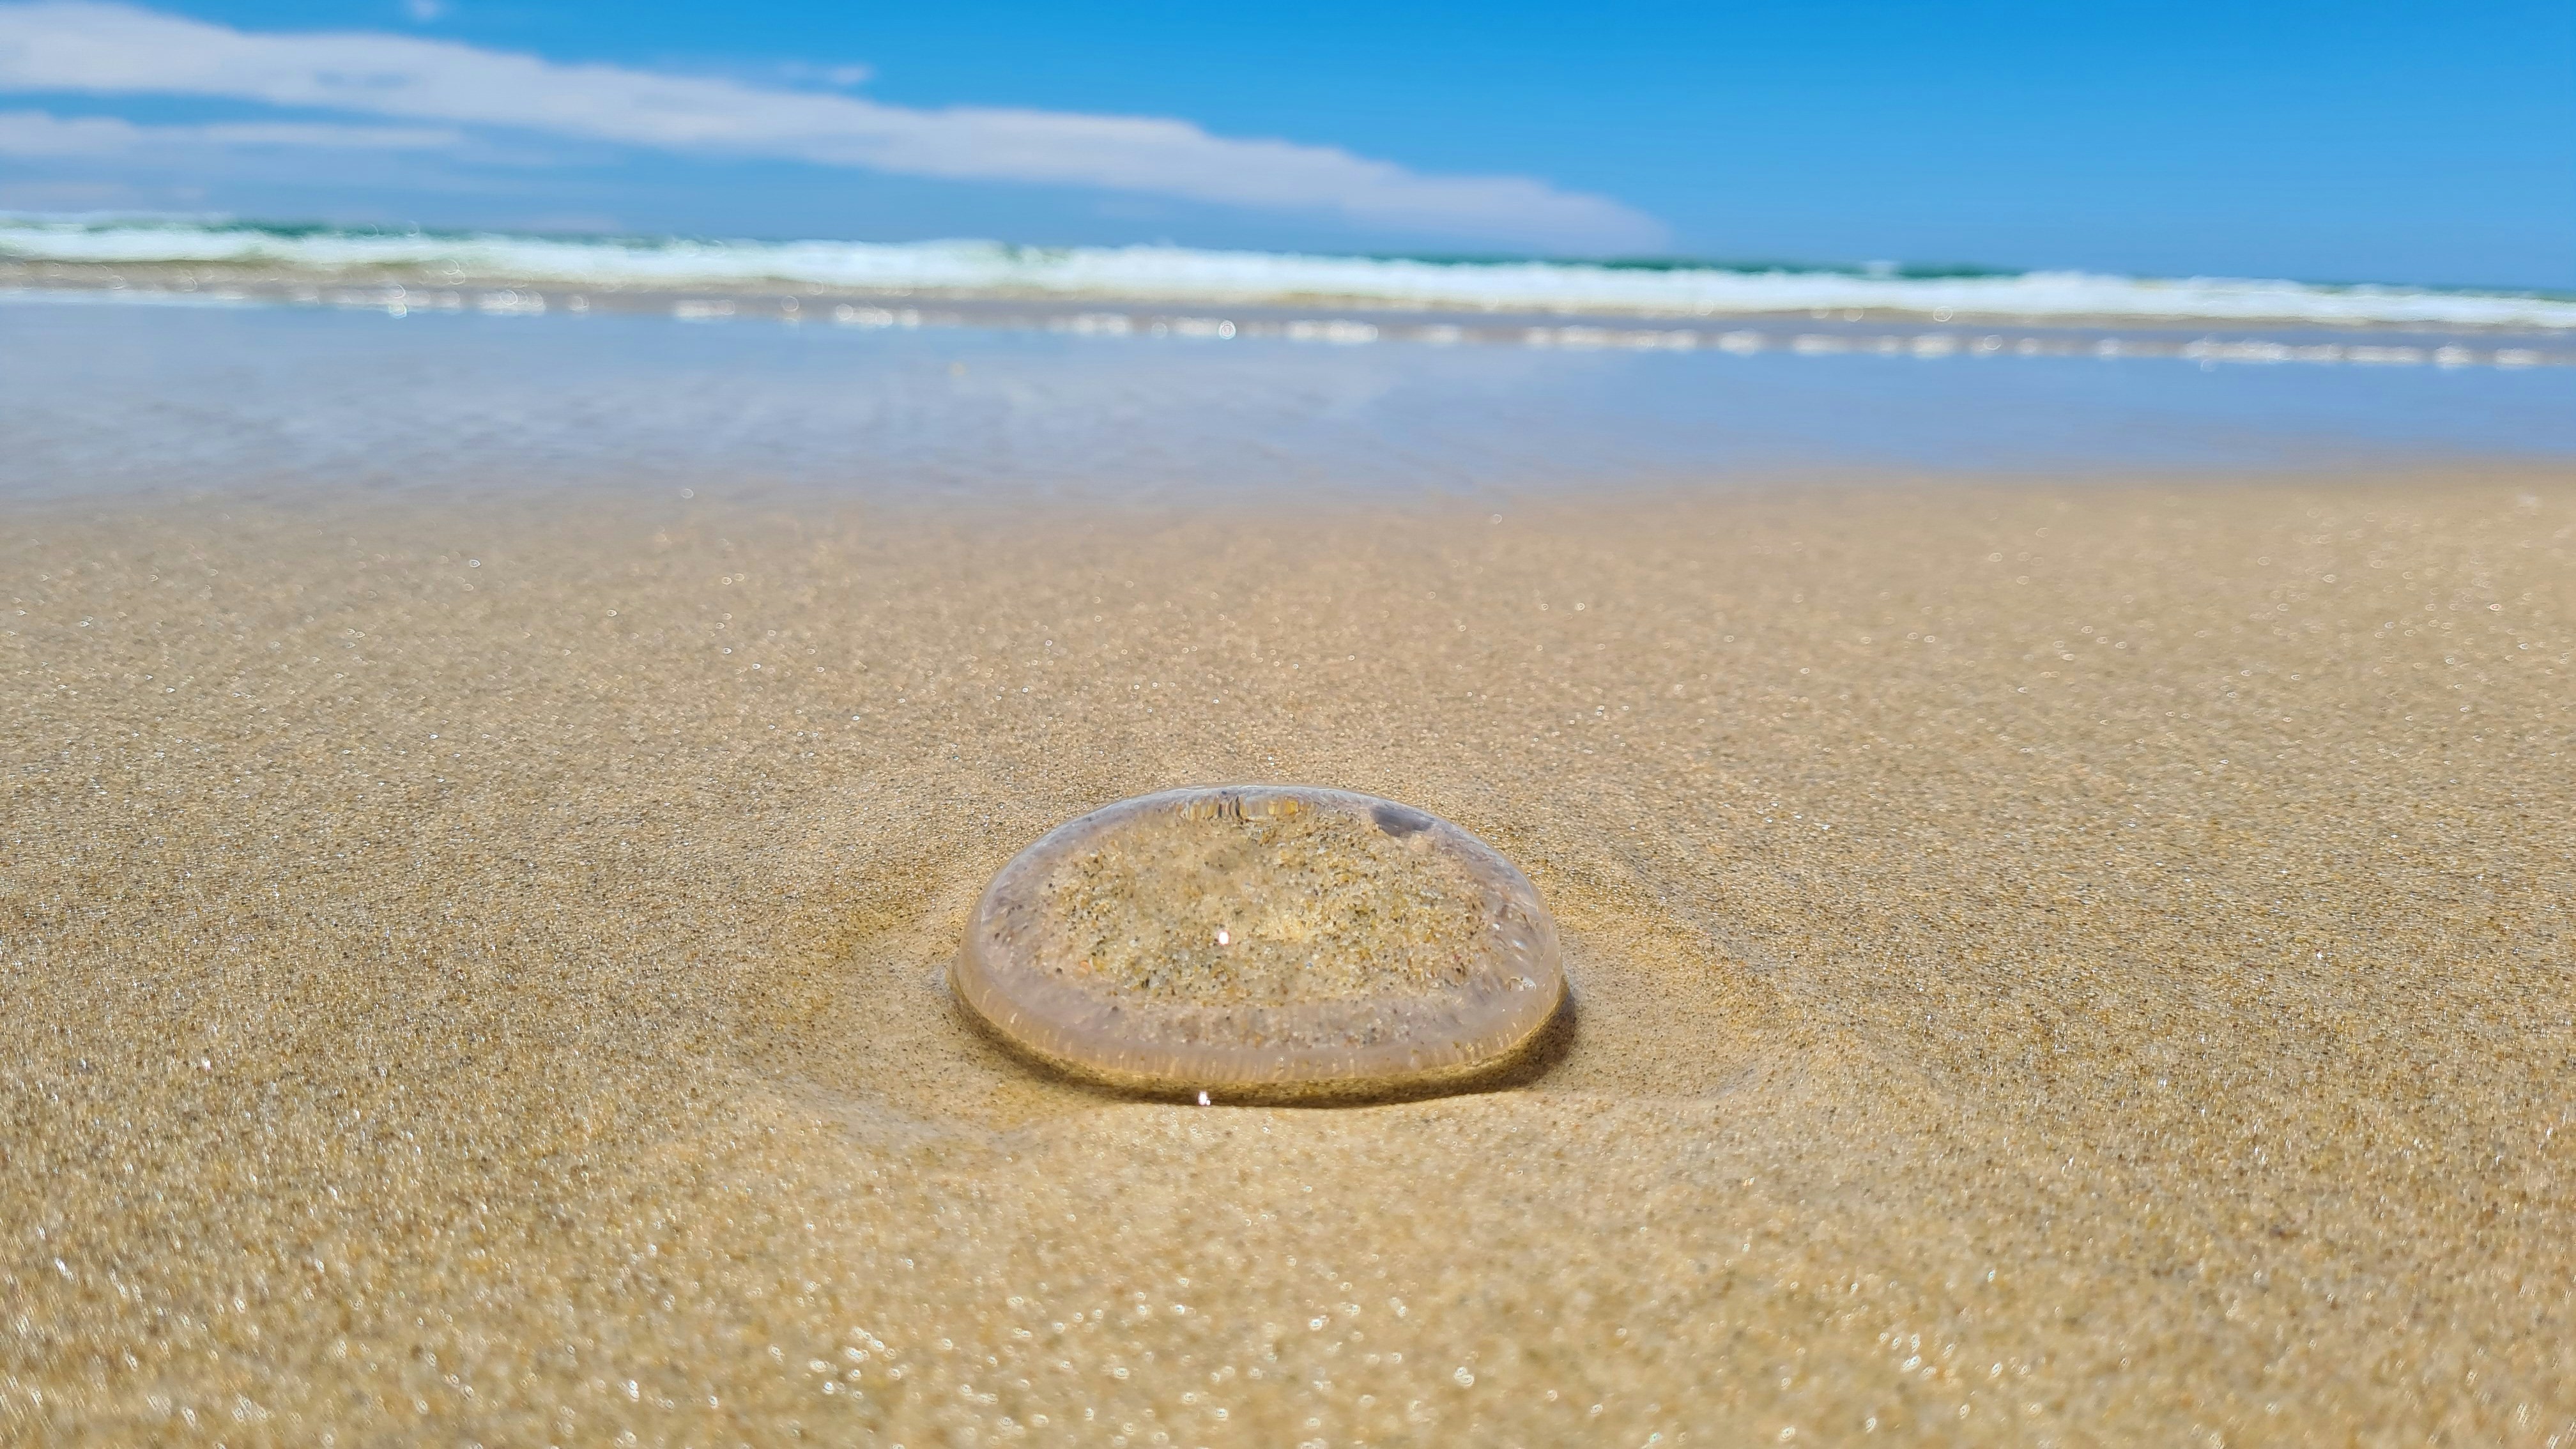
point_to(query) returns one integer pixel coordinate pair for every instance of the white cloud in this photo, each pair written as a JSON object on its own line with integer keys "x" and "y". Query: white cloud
{"x": 35, "y": 135}
{"x": 116, "y": 49}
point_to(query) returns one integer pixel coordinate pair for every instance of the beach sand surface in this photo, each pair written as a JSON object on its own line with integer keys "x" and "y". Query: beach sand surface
{"x": 2052, "y": 963}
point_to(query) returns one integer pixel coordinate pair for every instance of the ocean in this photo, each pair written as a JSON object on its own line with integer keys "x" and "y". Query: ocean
{"x": 196, "y": 356}
{"x": 282, "y": 259}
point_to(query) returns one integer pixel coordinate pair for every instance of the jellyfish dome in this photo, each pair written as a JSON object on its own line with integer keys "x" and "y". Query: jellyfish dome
{"x": 1263, "y": 942}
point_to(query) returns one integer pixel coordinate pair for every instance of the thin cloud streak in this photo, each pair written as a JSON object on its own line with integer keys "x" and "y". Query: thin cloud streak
{"x": 121, "y": 50}
{"x": 35, "y": 135}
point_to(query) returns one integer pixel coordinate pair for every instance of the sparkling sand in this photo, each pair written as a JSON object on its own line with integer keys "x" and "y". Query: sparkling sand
{"x": 2051, "y": 964}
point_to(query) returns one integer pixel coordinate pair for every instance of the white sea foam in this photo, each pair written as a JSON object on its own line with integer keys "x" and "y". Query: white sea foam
{"x": 1245, "y": 278}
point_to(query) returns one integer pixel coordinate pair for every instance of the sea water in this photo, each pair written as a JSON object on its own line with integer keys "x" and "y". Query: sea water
{"x": 158, "y": 354}
{"x": 99, "y": 396}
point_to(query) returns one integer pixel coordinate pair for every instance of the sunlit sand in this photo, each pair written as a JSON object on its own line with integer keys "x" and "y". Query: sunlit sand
{"x": 2049, "y": 963}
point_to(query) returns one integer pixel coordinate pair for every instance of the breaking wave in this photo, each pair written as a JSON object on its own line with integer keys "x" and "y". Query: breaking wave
{"x": 972, "y": 269}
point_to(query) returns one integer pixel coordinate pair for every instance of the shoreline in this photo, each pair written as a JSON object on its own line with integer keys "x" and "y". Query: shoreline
{"x": 1321, "y": 319}
{"x": 2048, "y": 961}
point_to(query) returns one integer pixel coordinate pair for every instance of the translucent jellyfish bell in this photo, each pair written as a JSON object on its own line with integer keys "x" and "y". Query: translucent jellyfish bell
{"x": 1263, "y": 942}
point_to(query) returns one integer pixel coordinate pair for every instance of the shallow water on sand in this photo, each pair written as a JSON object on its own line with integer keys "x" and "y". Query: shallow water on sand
{"x": 98, "y": 396}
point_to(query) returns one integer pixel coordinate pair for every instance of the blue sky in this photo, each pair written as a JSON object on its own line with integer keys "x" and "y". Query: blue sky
{"x": 2360, "y": 141}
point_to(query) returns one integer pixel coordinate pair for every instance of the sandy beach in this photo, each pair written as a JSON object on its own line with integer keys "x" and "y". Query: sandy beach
{"x": 2058, "y": 963}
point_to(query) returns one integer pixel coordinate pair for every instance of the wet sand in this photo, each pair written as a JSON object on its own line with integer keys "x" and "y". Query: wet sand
{"x": 2057, "y": 964}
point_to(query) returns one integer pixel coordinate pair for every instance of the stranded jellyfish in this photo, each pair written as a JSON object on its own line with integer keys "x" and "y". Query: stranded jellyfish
{"x": 1262, "y": 942}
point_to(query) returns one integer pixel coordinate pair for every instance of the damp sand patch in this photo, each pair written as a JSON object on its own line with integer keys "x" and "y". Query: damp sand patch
{"x": 1263, "y": 943}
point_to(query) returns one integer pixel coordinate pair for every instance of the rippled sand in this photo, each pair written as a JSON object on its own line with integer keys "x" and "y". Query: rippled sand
{"x": 2053, "y": 964}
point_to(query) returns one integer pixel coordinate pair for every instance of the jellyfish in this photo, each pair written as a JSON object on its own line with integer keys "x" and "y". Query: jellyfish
{"x": 1263, "y": 943}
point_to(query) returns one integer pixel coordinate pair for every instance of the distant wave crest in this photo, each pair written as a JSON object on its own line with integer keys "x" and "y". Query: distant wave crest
{"x": 1251, "y": 278}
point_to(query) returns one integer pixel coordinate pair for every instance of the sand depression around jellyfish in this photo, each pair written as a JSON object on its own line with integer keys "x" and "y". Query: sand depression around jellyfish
{"x": 1263, "y": 942}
